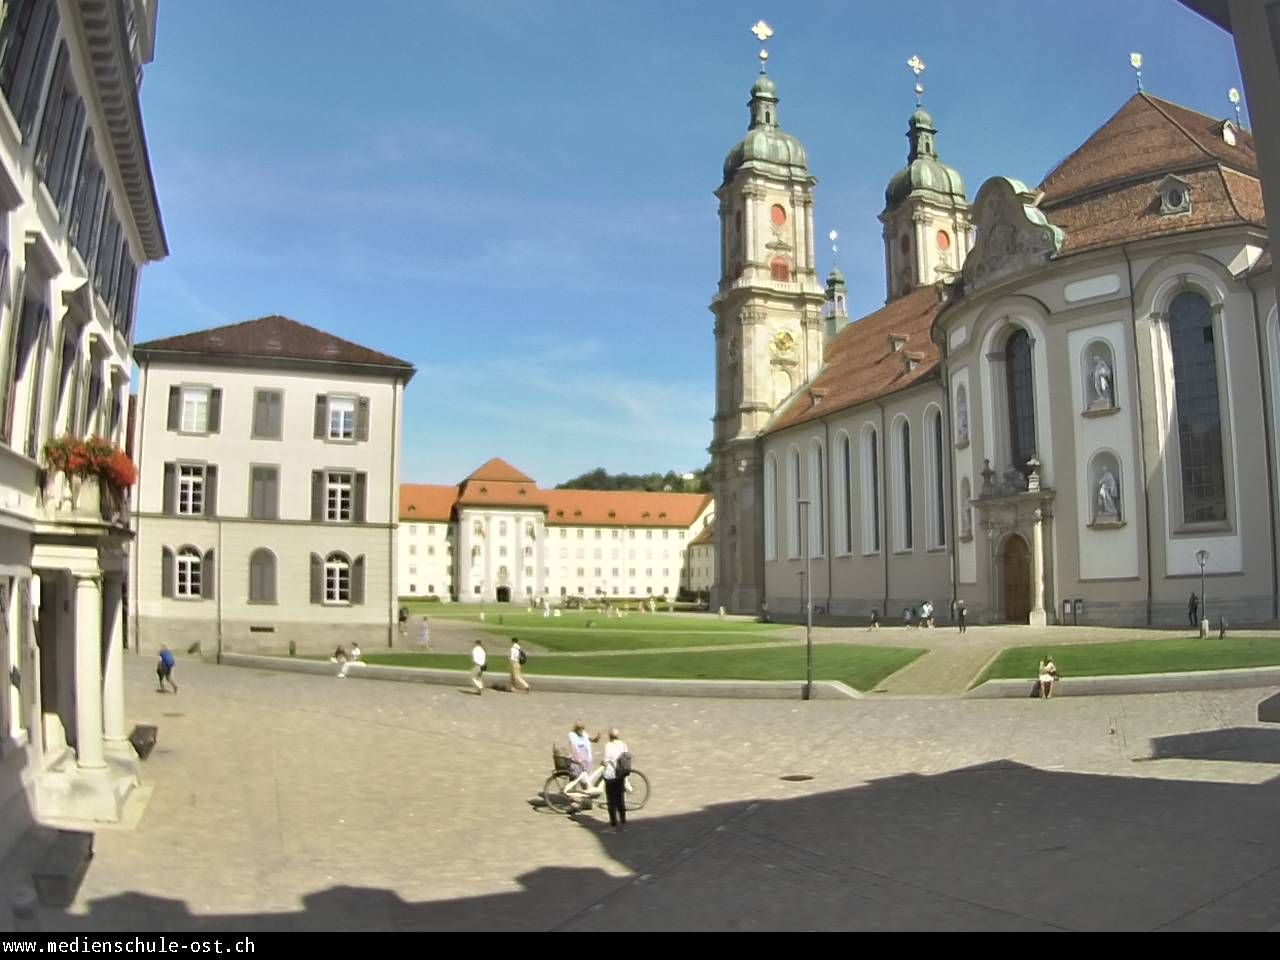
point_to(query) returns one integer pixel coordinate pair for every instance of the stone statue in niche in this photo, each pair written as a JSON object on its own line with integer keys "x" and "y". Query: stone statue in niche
{"x": 1108, "y": 503}
{"x": 1013, "y": 481}
{"x": 962, "y": 421}
{"x": 1100, "y": 379}
{"x": 966, "y": 521}
{"x": 988, "y": 479}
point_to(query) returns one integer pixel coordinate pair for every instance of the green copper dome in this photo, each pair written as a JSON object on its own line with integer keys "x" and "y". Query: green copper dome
{"x": 835, "y": 277}
{"x": 924, "y": 172}
{"x": 766, "y": 147}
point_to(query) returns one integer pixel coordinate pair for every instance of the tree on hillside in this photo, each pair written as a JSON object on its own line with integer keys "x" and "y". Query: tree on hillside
{"x": 696, "y": 481}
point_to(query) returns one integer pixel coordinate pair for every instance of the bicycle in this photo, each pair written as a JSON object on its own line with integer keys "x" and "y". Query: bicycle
{"x": 562, "y": 798}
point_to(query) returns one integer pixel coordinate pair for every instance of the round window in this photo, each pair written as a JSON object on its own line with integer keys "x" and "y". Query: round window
{"x": 778, "y": 215}
{"x": 944, "y": 240}
{"x": 1175, "y": 198}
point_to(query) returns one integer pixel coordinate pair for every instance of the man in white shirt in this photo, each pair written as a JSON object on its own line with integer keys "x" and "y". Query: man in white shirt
{"x": 478, "y": 660}
{"x": 355, "y": 658}
{"x": 518, "y": 682}
{"x": 615, "y": 783}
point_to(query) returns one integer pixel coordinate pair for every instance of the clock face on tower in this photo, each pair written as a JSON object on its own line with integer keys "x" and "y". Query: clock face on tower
{"x": 783, "y": 343}
{"x": 778, "y": 215}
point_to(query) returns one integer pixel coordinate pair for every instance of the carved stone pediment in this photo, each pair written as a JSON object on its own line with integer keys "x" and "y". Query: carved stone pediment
{"x": 1013, "y": 235}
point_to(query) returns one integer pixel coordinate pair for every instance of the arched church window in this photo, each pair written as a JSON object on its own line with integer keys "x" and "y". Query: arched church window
{"x": 1195, "y": 377}
{"x": 1021, "y": 389}
{"x": 793, "y": 505}
{"x": 870, "y": 491}
{"x": 817, "y": 501}
{"x": 844, "y": 501}
{"x": 937, "y": 486}
{"x": 770, "y": 508}
{"x": 780, "y": 270}
{"x": 904, "y": 534}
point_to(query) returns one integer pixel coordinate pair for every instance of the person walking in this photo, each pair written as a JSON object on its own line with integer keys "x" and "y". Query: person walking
{"x": 962, "y": 614}
{"x": 164, "y": 669}
{"x": 615, "y": 779}
{"x": 1193, "y": 610}
{"x": 404, "y": 620}
{"x": 424, "y": 636}
{"x": 518, "y": 659}
{"x": 478, "y": 660}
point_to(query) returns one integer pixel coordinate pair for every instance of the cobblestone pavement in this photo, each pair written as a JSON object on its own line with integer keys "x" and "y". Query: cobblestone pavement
{"x": 284, "y": 801}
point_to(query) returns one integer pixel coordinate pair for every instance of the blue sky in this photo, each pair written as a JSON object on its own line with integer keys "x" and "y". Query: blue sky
{"x": 517, "y": 196}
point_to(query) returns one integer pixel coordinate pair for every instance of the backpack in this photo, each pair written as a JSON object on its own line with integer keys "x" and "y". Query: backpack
{"x": 524, "y": 657}
{"x": 623, "y": 764}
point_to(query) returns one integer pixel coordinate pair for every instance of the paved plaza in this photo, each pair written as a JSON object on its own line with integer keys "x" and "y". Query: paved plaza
{"x": 282, "y": 801}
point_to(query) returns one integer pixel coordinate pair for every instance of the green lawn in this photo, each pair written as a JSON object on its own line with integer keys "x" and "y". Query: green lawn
{"x": 862, "y": 668}
{"x": 1137, "y": 656}
{"x": 581, "y": 640}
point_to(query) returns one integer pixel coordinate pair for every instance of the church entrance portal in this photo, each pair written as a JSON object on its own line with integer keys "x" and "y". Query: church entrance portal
{"x": 1017, "y": 580}
{"x": 504, "y": 595}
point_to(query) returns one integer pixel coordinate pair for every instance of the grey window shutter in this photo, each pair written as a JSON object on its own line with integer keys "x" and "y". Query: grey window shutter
{"x": 362, "y": 419}
{"x": 170, "y": 506}
{"x": 357, "y": 580}
{"x": 317, "y": 494}
{"x": 259, "y": 414}
{"x": 215, "y": 410}
{"x": 360, "y": 494}
{"x": 175, "y": 408}
{"x": 166, "y": 572}
{"x": 211, "y": 490}
{"x": 322, "y": 415}
{"x": 207, "y": 585}
{"x": 271, "y": 490}
{"x": 317, "y": 578}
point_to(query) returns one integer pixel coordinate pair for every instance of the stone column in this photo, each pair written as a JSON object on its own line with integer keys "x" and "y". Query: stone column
{"x": 1038, "y": 618}
{"x": 113, "y": 660}
{"x": 992, "y": 591}
{"x": 88, "y": 646}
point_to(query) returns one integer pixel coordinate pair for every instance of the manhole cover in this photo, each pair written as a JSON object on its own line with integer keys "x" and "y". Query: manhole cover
{"x": 796, "y": 778}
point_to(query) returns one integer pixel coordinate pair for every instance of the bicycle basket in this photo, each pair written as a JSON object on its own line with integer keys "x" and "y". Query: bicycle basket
{"x": 562, "y": 762}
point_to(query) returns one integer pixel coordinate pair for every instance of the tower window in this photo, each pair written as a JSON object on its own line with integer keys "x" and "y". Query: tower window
{"x": 780, "y": 270}
{"x": 778, "y": 214}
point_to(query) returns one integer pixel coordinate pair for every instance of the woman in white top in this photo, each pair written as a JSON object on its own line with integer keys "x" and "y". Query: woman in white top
{"x": 518, "y": 682}
{"x": 615, "y": 783}
{"x": 1048, "y": 676}
{"x": 478, "y": 660}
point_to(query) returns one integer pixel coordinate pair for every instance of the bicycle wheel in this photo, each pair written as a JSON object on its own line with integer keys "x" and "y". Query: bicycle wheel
{"x": 553, "y": 792}
{"x": 637, "y": 792}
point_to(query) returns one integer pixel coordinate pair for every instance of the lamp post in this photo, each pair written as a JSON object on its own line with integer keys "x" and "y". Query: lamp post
{"x": 808, "y": 598}
{"x": 1202, "y": 557}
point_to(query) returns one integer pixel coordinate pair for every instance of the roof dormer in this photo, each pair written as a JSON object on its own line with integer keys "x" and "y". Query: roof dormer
{"x": 1175, "y": 196}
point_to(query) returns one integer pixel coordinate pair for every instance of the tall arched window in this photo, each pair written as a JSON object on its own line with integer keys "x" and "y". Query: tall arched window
{"x": 793, "y": 504}
{"x": 843, "y": 498}
{"x": 262, "y": 576}
{"x": 1022, "y": 407}
{"x": 190, "y": 569}
{"x": 337, "y": 579}
{"x": 817, "y": 501}
{"x": 937, "y": 486}
{"x": 870, "y": 491}
{"x": 771, "y": 508}
{"x": 1195, "y": 378}
{"x": 903, "y": 532}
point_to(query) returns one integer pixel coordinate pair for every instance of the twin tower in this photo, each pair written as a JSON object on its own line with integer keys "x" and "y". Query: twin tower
{"x": 773, "y": 319}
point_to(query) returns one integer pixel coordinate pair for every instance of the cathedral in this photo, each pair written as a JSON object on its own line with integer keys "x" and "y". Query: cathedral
{"x": 1065, "y": 411}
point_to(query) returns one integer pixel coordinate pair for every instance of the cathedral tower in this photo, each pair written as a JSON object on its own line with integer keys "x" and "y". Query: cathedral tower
{"x": 927, "y": 226}
{"x": 768, "y": 325}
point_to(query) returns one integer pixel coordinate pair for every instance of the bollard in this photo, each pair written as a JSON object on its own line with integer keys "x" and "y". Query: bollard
{"x": 293, "y": 648}
{"x": 23, "y": 903}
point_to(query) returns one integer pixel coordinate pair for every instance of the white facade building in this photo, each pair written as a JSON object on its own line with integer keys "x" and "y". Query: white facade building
{"x": 78, "y": 219}
{"x": 498, "y": 537}
{"x": 269, "y": 455}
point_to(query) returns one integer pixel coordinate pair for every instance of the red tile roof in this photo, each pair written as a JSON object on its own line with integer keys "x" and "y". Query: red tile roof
{"x": 499, "y": 469}
{"x": 1106, "y": 192}
{"x": 425, "y": 502}
{"x": 272, "y": 337}
{"x": 860, "y": 363}
{"x": 1146, "y": 137}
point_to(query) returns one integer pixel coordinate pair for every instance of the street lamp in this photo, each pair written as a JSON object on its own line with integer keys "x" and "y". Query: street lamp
{"x": 1202, "y": 557}
{"x": 808, "y": 599}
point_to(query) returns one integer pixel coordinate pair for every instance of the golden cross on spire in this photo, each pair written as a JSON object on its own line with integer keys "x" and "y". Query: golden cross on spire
{"x": 917, "y": 67}
{"x": 762, "y": 33}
